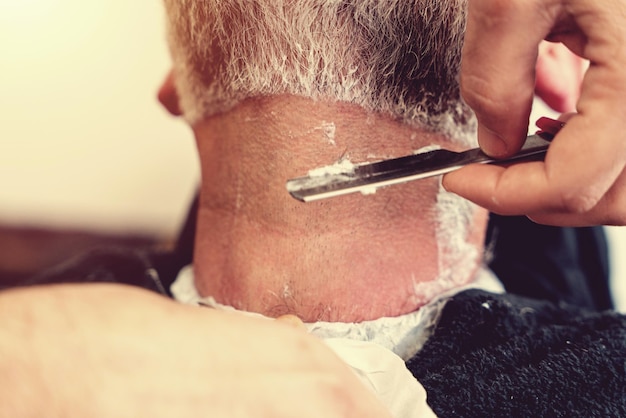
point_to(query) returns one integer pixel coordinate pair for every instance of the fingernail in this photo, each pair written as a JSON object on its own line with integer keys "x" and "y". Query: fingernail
{"x": 492, "y": 143}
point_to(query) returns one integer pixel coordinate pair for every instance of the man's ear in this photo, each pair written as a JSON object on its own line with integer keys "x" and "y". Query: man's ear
{"x": 168, "y": 96}
{"x": 559, "y": 74}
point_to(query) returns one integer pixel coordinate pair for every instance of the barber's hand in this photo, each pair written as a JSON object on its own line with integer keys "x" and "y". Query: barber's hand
{"x": 582, "y": 180}
{"x": 111, "y": 351}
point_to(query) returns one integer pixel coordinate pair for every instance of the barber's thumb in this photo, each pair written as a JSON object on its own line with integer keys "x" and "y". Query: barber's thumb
{"x": 506, "y": 140}
{"x": 491, "y": 142}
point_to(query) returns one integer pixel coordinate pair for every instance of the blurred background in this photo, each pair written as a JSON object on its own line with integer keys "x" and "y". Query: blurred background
{"x": 87, "y": 156}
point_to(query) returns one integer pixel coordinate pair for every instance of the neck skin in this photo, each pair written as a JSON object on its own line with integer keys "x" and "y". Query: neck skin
{"x": 347, "y": 259}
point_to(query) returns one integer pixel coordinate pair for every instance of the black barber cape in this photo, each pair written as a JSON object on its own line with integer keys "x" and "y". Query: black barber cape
{"x": 505, "y": 356}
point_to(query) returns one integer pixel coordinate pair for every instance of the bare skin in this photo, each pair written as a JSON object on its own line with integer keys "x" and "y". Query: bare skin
{"x": 347, "y": 259}
{"x": 113, "y": 351}
{"x": 583, "y": 179}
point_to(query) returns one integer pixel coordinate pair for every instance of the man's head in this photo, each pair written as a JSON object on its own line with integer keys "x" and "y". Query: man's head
{"x": 274, "y": 88}
{"x": 399, "y": 57}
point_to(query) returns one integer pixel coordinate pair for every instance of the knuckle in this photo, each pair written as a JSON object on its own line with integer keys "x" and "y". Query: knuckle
{"x": 478, "y": 94}
{"x": 492, "y": 95}
{"x": 581, "y": 201}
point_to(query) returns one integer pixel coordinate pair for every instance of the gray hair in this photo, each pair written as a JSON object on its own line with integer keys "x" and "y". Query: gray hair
{"x": 398, "y": 57}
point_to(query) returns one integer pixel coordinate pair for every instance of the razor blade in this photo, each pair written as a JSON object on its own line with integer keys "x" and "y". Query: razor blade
{"x": 343, "y": 177}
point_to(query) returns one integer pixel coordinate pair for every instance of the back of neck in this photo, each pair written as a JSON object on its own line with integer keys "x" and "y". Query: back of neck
{"x": 347, "y": 259}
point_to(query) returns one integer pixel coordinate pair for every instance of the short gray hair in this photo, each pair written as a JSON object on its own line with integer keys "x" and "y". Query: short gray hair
{"x": 399, "y": 57}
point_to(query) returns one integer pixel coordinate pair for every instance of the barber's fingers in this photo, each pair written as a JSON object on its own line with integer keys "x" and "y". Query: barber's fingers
{"x": 559, "y": 75}
{"x": 581, "y": 182}
{"x": 498, "y": 68}
{"x": 610, "y": 210}
{"x": 500, "y": 51}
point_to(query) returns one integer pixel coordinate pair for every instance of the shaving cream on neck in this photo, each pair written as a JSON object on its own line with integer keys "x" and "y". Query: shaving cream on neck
{"x": 457, "y": 256}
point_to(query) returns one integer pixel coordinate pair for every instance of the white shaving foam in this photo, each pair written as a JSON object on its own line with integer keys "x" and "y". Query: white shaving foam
{"x": 427, "y": 148}
{"x": 457, "y": 256}
{"x": 369, "y": 190}
{"x": 329, "y": 129}
{"x": 342, "y": 169}
{"x": 343, "y": 166}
